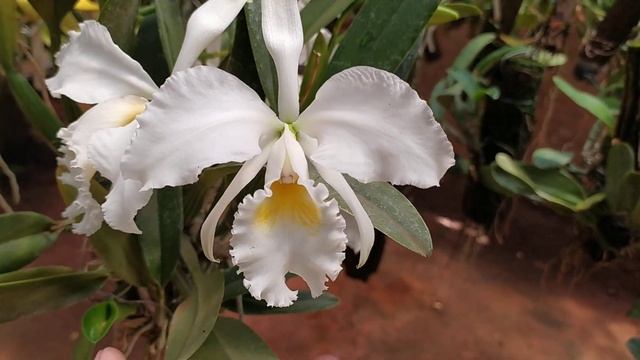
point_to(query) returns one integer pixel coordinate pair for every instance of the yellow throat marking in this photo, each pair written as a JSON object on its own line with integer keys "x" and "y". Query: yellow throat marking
{"x": 289, "y": 202}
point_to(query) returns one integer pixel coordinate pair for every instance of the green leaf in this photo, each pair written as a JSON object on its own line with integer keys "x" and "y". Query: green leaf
{"x": 317, "y": 14}
{"x": 552, "y": 185}
{"x": 240, "y": 61}
{"x": 452, "y": 12}
{"x": 37, "y": 290}
{"x": 443, "y": 15}
{"x": 8, "y": 33}
{"x": 52, "y": 12}
{"x": 633, "y": 345}
{"x": 149, "y": 52}
{"x": 98, "y": 319}
{"x": 161, "y": 224}
{"x": 490, "y": 60}
{"x": 264, "y": 63}
{"x": 231, "y": 339}
{"x": 194, "y": 193}
{"x": 171, "y": 26}
{"x": 592, "y": 104}
{"x": 23, "y": 237}
{"x": 233, "y": 284}
{"x": 629, "y": 195}
{"x": 620, "y": 162}
{"x": 304, "y": 304}
{"x": 316, "y": 65}
{"x": 391, "y": 212}
{"x": 32, "y": 106}
{"x": 382, "y": 34}
{"x": 195, "y": 317}
{"x": 472, "y": 50}
{"x": 548, "y": 158}
{"x": 83, "y": 349}
{"x": 119, "y": 16}
{"x": 121, "y": 254}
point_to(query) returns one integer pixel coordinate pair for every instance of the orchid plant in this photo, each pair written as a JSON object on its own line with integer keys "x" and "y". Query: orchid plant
{"x": 314, "y": 172}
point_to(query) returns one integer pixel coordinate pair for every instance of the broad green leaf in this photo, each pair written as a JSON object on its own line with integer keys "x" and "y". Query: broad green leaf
{"x": 316, "y": 65}
{"x": 382, "y": 34}
{"x": 149, "y": 51}
{"x": 633, "y": 345}
{"x": 240, "y": 61}
{"x": 620, "y": 162}
{"x": 502, "y": 182}
{"x": 452, "y": 12}
{"x": 83, "y": 349}
{"x": 171, "y": 26}
{"x": 552, "y": 185}
{"x": 32, "y": 106}
{"x": 231, "y": 339}
{"x": 23, "y": 237}
{"x": 161, "y": 224}
{"x": 317, "y": 14}
{"x": 490, "y": 60}
{"x": 592, "y": 104}
{"x": 548, "y": 158}
{"x": 52, "y": 12}
{"x": 391, "y": 212}
{"x": 472, "y": 49}
{"x": 233, "y": 283}
{"x": 443, "y": 15}
{"x": 120, "y": 252}
{"x": 629, "y": 195}
{"x": 119, "y": 16}
{"x": 304, "y": 304}
{"x": 264, "y": 63}
{"x": 8, "y": 33}
{"x": 194, "y": 193}
{"x": 195, "y": 317}
{"x": 98, "y": 319}
{"x": 37, "y": 290}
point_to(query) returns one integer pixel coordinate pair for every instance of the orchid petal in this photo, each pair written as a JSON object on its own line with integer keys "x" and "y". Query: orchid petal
{"x": 84, "y": 204}
{"x": 125, "y": 198}
{"x": 107, "y": 147}
{"x": 372, "y": 125}
{"x": 122, "y": 204}
{"x": 365, "y": 227}
{"x": 205, "y": 24}
{"x": 109, "y": 114}
{"x": 292, "y": 228}
{"x": 201, "y": 117}
{"x": 247, "y": 172}
{"x": 282, "y": 31}
{"x": 93, "y": 69}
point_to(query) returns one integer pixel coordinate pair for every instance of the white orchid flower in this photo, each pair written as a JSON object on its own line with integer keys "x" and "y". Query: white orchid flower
{"x": 94, "y": 70}
{"x": 365, "y": 122}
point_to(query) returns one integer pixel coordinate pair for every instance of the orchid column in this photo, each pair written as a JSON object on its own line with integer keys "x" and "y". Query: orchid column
{"x": 364, "y": 122}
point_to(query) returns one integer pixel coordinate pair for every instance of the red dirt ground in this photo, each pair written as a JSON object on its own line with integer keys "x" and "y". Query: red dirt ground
{"x": 487, "y": 303}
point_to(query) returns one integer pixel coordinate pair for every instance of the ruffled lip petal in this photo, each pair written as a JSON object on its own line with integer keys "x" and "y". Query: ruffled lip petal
{"x": 266, "y": 249}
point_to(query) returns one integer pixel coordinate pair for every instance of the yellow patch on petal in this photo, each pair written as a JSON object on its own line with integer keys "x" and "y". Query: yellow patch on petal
{"x": 134, "y": 109}
{"x": 289, "y": 202}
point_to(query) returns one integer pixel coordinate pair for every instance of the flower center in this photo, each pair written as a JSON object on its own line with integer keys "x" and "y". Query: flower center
{"x": 289, "y": 202}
